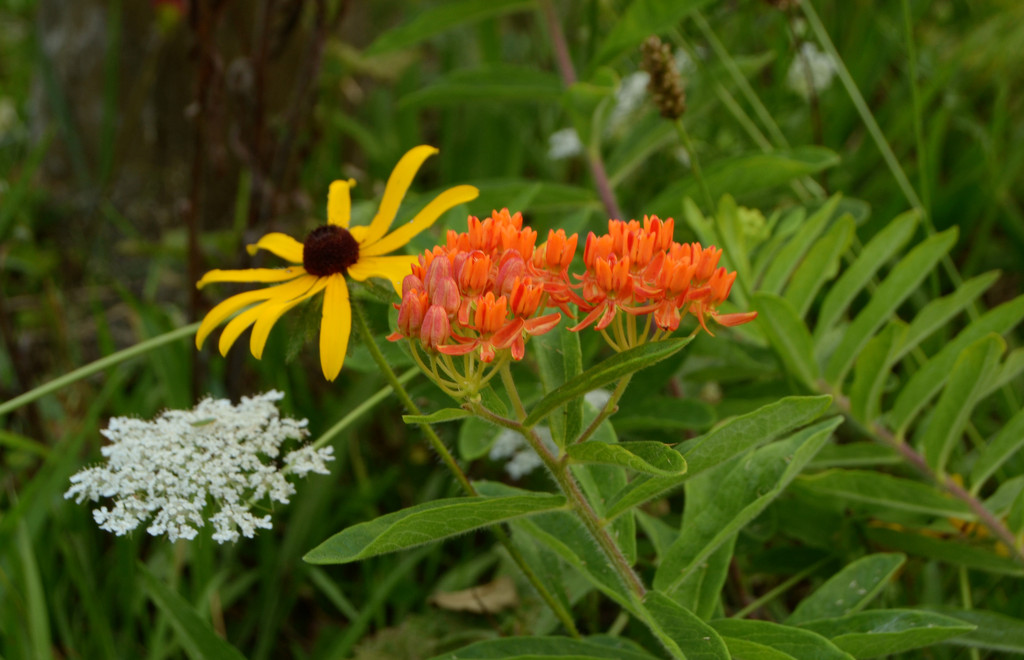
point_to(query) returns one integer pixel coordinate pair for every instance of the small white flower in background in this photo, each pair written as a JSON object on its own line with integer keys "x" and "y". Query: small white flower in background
{"x": 172, "y": 468}
{"x": 522, "y": 460}
{"x": 564, "y": 143}
{"x": 810, "y": 67}
{"x": 630, "y": 95}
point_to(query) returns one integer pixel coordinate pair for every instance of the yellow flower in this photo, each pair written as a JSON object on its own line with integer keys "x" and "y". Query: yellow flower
{"x": 330, "y": 254}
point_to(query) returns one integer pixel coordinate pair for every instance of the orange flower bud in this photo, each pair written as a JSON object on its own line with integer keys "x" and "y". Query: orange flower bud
{"x": 435, "y": 329}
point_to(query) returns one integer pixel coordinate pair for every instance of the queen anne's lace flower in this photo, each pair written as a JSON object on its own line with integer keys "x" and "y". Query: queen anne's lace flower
{"x": 216, "y": 460}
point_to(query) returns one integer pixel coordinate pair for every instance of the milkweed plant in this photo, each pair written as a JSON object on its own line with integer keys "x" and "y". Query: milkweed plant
{"x": 559, "y": 353}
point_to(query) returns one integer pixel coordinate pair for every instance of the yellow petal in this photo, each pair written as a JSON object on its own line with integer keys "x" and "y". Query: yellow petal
{"x": 272, "y": 311}
{"x": 237, "y": 326}
{"x": 223, "y": 310}
{"x": 216, "y": 316}
{"x": 428, "y": 216}
{"x": 280, "y": 244}
{"x": 339, "y": 203}
{"x": 398, "y": 184}
{"x": 335, "y": 326}
{"x": 251, "y": 275}
{"x": 393, "y": 268}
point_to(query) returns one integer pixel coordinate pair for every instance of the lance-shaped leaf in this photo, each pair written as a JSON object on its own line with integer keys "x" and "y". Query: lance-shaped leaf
{"x": 521, "y": 648}
{"x": 443, "y": 17}
{"x": 994, "y": 632}
{"x": 693, "y": 637}
{"x": 884, "y": 632}
{"x": 998, "y": 450}
{"x": 820, "y": 265}
{"x": 641, "y": 456}
{"x": 745, "y": 492}
{"x": 788, "y": 336}
{"x": 875, "y": 254}
{"x": 922, "y": 543}
{"x": 971, "y": 373}
{"x": 923, "y": 385}
{"x": 905, "y": 277}
{"x": 606, "y": 372}
{"x": 871, "y": 371}
{"x": 793, "y": 252}
{"x": 427, "y": 522}
{"x": 502, "y": 83}
{"x": 442, "y": 415}
{"x": 794, "y": 642}
{"x": 884, "y": 491}
{"x": 731, "y": 438}
{"x": 849, "y": 590}
{"x": 196, "y": 636}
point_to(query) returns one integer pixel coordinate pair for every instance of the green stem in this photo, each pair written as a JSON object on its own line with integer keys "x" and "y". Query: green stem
{"x": 577, "y": 501}
{"x": 922, "y": 153}
{"x": 403, "y": 395}
{"x": 513, "y": 391}
{"x": 609, "y": 408}
{"x": 695, "y": 164}
{"x": 97, "y": 366}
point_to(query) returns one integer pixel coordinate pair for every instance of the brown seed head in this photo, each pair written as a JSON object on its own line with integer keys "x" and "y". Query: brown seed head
{"x": 665, "y": 86}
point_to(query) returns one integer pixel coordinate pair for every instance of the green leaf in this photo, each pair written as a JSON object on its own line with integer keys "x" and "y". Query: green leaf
{"x": 502, "y": 83}
{"x": 641, "y": 456}
{"x": 196, "y": 636}
{"x": 442, "y": 17}
{"x": 476, "y": 437}
{"x": 732, "y": 438}
{"x": 886, "y": 244}
{"x": 788, "y": 258}
{"x": 442, "y": 415}
{"x": 739, "y": 434}
{"x": 695, "y": 638}
{"x": 923, "y": 385}
{"x": 701, "y": 590}
{"x": 788, "y": 336}
{"x": 885, "y": 632}
{"x": 994, "y": 632}
{"x": 849, "y": 590}
{"x": 741, "y": 495}
{"x": 543, "y": 197}
{"x": 641, "y": 19}
{"x": 922, "y": 544}
{"x": 855, "y": 454}
{"x": 885, "y": 491}
{"x": 871, "y": 371}
{"x": 938, "y": 312}
{"x": 971, "y": 373}
{"x": 998, "y": 450}
{"x": 905, "y": 277}
{"x": 663, "y": 413}
{"x": 427, "y": 522}
{"x": 820, "y": 265}
{"x": 1012, "y": 367}
{"x": 609, "y": 371}
{"x": 746, "y": 175}
{"x": 523, "y": 648}
{"x": 795, "y": 642}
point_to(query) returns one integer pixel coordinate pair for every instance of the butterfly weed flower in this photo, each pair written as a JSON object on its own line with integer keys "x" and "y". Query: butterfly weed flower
{"x": 637, "y": 270}
{"x": 189, "y": 467}
{"x": 329, "y": 256}
{"x": 470, "y": 305}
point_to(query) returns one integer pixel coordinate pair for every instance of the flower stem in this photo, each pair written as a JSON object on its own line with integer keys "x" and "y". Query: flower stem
{"x": 609, "y": 408}
{"x": 513, "y": 391}
{"x": 403, "y": 395}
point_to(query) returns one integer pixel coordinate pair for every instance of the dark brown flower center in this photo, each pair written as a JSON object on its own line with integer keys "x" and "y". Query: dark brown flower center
{"x": 328, "y": 250}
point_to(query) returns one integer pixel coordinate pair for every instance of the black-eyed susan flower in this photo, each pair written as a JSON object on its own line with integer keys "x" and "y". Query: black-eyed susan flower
{"x": 330, "y": 254}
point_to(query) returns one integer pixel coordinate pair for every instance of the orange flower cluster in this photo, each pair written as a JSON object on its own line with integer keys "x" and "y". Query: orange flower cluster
{"x": 638, "y": 269}
{"x": 486, "y": 289}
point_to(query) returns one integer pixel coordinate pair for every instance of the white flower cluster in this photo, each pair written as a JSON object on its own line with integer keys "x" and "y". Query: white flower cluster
{"x": 811, "y": 68}
{"x": 171, "y": 468}
{"x": 522, "y": 460}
